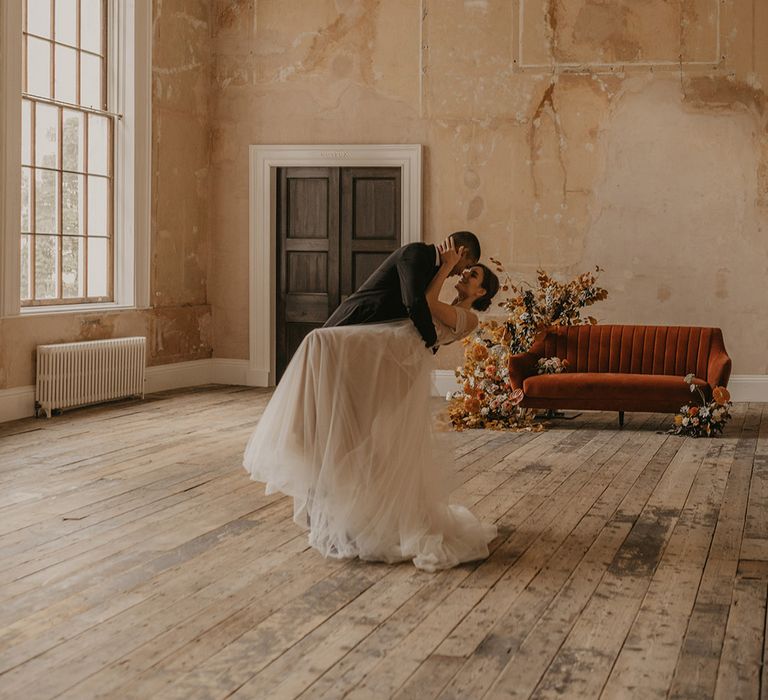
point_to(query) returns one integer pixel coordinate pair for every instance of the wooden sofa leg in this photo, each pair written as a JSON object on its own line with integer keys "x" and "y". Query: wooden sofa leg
{"x": 621, "y": 419}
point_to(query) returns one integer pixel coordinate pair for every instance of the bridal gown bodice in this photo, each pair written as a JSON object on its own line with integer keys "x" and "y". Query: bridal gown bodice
{"x": 465, "y": 323}
{"x": 348, "y": 434}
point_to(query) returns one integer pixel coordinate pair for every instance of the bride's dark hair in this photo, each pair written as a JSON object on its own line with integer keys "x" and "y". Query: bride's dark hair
{"x": 490, "y": 284}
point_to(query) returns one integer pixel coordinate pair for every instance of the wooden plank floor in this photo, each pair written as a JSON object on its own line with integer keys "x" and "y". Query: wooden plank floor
{"x": 139, "y": 561}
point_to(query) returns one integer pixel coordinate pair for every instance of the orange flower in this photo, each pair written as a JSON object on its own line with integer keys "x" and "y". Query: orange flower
{"x": 479, "y": 352}
{"x": 721, "y": 395}
{"x": 471, "y": 405}
{"x": 693, "y": 411}
{"x": 467, "y": 388}
{"x": 678, "y": 420}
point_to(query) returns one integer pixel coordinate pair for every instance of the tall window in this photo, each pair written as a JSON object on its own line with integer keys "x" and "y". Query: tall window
{"x": 67, "y": 158}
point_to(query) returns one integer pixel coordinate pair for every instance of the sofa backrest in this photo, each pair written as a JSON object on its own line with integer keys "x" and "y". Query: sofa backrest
{"x": 673, "y": 350}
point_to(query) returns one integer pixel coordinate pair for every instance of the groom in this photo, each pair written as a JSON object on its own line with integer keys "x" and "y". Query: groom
{"x": 397, "y": 288}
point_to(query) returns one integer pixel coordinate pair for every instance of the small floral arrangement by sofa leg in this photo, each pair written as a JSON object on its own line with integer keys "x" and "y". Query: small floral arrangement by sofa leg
{"x": 705, "y": 420}
{"x": 551, "y": 365}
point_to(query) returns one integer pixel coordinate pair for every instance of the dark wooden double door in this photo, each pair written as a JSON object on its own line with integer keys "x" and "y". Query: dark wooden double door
{"x": 334, "y": 228}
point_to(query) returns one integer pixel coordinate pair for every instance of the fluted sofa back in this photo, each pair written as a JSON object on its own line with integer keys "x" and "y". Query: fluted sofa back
{"x": 669, "y": 350}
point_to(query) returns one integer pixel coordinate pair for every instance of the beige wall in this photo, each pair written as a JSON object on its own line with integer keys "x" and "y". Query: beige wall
{"x": 179, "y": 325}
{"x": 658, "y": 174}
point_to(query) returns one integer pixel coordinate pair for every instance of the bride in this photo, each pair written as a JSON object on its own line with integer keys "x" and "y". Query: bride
{"x": 348, "y": 434}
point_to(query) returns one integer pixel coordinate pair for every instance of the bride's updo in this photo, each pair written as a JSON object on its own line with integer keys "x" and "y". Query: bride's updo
{"x": 490, "y": 284}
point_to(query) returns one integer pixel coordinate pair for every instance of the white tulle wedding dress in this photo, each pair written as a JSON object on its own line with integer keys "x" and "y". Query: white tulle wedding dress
{"x": 348, "y": 434}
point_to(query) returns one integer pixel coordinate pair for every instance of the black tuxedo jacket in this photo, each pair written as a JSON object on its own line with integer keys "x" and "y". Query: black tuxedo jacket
{"x": 397, "y": 289}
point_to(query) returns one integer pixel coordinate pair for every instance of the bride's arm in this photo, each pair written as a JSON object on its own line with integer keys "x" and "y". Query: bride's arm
{"x": 445, "y": 313}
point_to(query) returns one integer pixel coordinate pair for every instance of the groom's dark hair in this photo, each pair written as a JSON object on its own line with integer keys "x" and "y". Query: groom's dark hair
{"x": 468, "y": 240}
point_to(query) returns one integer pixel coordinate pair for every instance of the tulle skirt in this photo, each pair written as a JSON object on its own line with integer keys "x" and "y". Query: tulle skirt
{"x": 348, "y": 434}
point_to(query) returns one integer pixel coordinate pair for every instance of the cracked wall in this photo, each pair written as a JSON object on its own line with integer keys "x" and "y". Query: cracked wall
{"x": 566, "y": 133}
{"x": 178, "y": 323}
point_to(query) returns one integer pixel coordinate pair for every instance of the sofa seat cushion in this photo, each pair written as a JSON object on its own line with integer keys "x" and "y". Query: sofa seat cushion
{"x": 610, "y": 385}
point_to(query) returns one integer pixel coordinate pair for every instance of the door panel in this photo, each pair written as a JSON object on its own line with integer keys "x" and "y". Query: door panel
{"x": 307, "y": 272}
{"x": 308, "y": 201}
{"x": 370, "y": 222}
{"x": 376, "y": 202}
{"x": 363, "y": 265}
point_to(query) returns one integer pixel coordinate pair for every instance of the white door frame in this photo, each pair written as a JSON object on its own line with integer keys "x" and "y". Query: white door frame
{"x": 262, "y": 274}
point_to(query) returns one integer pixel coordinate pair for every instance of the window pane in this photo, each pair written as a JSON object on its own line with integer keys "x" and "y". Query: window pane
{"x": 66, "y": 21}
{"x": 90, "y": 81}
{"x": 38, "y": 67}
{"x": 72, "y": 267}
{"x": 66, "y": 74}
{"x": 98, "y": 266}
{"x": 46, "y": 201}
{"x": 98, "y": 145}
{"x": 47, "y": 136}
{"x": 98, "y": 192}
{"x": 90, "y": 25}
{"x": 26, "y": 278}
{"x": 39, "y": 17}
{"x": 72, "y": 209}
{"x": 26, "y": 199}
{"x": 26, "y": 132}
{"x": 46, "y": 266}
{"x": 73, "y": 146}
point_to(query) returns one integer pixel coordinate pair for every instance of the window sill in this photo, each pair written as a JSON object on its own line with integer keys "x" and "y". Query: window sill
{"x": 75, "y": 308}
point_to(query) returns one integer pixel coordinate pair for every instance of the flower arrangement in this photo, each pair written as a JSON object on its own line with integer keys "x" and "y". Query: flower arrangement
{"x": 486, "y": 398}
{"x": 709, "y": 418}
{"x": 551, "y": 365}
{"x": 549, "y": 303}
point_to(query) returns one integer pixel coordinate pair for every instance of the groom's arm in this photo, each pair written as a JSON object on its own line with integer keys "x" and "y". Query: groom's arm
{"x": 414, "y": 270}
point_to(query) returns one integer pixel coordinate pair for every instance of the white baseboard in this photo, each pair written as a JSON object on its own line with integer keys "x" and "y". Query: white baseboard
{"x": 177, "y": 375}
{"x": 743, "y": 387}
{"x": 234, "y": 372}
{"x": 196, "y": 373}
{"x": 443, "y": 381}
{"x": 257, "y": 377}
{"x": 748, "y": 387}
{"x": 19, "y": 402}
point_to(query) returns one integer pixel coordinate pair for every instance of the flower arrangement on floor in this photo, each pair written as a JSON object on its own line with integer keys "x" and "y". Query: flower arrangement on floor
{"x": 486, "y": 398}
{"x": 705, "y": 420}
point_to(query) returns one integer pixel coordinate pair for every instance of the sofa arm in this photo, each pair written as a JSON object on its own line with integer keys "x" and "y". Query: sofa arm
{"x": 719, "y": 365}
{"x": 521, "y": 366}
{"x": 718, "y": 370}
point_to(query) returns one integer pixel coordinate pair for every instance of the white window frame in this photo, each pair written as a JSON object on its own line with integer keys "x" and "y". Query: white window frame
{"x": 129, "y": 78}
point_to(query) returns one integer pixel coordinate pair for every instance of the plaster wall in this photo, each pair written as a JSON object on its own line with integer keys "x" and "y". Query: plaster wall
{"x": 565, "y": 133}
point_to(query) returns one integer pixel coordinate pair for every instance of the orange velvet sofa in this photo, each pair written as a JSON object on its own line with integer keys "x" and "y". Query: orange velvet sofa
{"x": 621, "y": 368}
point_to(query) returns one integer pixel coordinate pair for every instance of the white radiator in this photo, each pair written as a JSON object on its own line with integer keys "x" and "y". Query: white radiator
{"x": 78, "y": 374}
